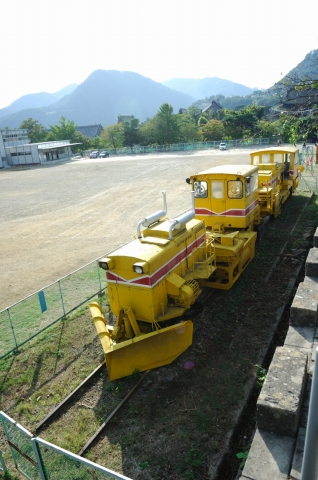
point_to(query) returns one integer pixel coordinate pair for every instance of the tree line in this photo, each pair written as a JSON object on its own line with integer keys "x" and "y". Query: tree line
{"x": 167, "y": 127}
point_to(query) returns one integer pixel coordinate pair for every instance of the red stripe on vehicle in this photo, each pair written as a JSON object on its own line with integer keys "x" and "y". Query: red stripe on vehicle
{"x": 234, "y": 212}
{"x": 151, "y": 280}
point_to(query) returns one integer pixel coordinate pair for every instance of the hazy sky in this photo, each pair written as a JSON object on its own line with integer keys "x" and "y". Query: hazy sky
{"x": 48, "y": 44}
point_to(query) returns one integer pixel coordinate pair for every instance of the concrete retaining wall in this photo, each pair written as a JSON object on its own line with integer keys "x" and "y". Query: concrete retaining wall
{"x": 282, "y": 408}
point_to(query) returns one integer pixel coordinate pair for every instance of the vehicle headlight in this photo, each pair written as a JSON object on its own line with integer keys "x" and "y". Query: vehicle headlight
{"x": 106, "y": 263}
{"x": 141, "y": 267}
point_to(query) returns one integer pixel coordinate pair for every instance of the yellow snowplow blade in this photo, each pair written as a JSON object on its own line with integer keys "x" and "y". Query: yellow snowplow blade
{"x": 147, "y": 351}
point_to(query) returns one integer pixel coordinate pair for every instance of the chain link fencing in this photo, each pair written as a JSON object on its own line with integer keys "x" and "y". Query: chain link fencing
{"x": 185, "y": 147}
{"x": 38, "y": 459}
{"x": 309, "y": 177}
{"x": 22, "y": 321}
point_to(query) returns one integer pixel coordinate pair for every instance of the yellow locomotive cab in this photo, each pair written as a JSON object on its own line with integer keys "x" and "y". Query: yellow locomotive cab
{"x": 226, "y": 198}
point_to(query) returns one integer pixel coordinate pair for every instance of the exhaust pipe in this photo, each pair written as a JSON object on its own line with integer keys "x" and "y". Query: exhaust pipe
{"x": 182, "y": 219}
{"x": 154, "y": 217}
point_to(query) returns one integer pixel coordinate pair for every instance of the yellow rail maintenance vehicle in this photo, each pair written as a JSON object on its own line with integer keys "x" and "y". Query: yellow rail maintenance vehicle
{"x": 278, "y": 174}
{"x": 151, "y": 284}
{"x": 154, "y": 280}
{"x": 226, "y": 199}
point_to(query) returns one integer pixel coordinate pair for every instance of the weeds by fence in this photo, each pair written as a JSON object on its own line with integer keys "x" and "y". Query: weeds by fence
{"x": 22, "y": 321}
{"x": 38, "y": 459}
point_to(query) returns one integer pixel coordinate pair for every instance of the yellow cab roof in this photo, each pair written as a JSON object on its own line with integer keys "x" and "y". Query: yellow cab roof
{"x": 288, "y": 149}
{"x": 244, "y": 170}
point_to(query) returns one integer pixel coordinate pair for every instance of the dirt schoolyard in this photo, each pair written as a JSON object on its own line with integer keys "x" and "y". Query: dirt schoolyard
{"x": 55, "y": 219}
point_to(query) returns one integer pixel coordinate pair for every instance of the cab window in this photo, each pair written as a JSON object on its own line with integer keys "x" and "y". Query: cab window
{"x": 266, "y": 158}
{"x": 255, "y": 159}
{"x": 235, "y": 189}
{"x": 251, "y": 184}
{"x": 278, "y": 157}
{"x": 217, "y": 189}
{"x": 200, "y": 189}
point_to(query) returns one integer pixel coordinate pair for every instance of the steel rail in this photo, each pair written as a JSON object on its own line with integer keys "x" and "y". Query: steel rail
{"x": 68, "y": 398}
{"x": 101, "y": 428}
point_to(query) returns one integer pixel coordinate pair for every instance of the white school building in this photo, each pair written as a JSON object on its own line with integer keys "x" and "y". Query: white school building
{"x": 16, "y": 149}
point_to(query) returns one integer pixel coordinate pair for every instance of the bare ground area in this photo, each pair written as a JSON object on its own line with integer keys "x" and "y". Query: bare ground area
{"x": 58, "y": 218}
{"x": 177, "y": 424}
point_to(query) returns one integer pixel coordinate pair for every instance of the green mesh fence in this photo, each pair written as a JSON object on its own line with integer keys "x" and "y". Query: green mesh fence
{"x": 60, "y": 464}
{"x": 21, "y": 448}
{"x": 7, "y": 339}
{"x": 3, "y": 467}
{"x": 309, "y": 177}
{"x": 27, "y": 318}
{"x": 81, "y": 285}
{"x": 37, "y": 459}
{"x": 180, "y": 147}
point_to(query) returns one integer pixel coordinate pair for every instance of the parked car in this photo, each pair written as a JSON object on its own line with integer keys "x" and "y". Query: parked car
{"x": 222, "y": 146}
{"x": 103, "y": 155}
{"x": 94, "y": 154}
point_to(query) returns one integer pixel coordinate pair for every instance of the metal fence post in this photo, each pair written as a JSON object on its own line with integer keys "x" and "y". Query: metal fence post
{"x": 4, "y": 468}
{"x": 309, "y": 469}
{"x": 38, "y": 459}
{"x": 4, "y": 426}
{"x": 12, "y": 329}
{"x": 61, "y": 296}
{"x": 98, "y": 272}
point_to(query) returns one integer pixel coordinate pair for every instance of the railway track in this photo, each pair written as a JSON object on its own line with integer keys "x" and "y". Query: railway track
{"x": 89, "y": 383}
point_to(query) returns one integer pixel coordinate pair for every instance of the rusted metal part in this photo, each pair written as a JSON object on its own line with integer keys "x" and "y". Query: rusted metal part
{"x": 101, "y": 428}
{"x": 24, "y": 455}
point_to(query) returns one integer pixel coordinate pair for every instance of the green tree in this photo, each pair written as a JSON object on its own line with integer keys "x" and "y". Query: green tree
{"x": 187, "y": 128}
{"x": 86, "y": 143}
{"x": 194, "y": 112}
{"x": 113, "y": 135}
{"x": 148, "y": 133}
{"x": 212, "y": 130}
{"x": 202, "y": 120}
{"x": 167, "y": 129}
{"x": 268, "y": 129}
{"x": 297, "y": 129}
{"x": 66, "y": 130}
{"x": 36, "y": 131}
{"x": 242, "y": 123}
{"x": 131, "y": 132}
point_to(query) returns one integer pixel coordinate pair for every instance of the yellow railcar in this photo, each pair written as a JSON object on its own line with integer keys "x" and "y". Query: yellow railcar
{"x": 279, "y": 174}
{"x": 226, "y": 198}
{"x": 152, "y": 282}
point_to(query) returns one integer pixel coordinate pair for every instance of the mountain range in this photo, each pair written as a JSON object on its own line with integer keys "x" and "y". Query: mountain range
{"x": 101, "y": 98}
{"x": 306, "y": 68}
{"x": 206, "y": 87}
{"x": 107, "y": 93}
{"x": 36, "y": 100}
